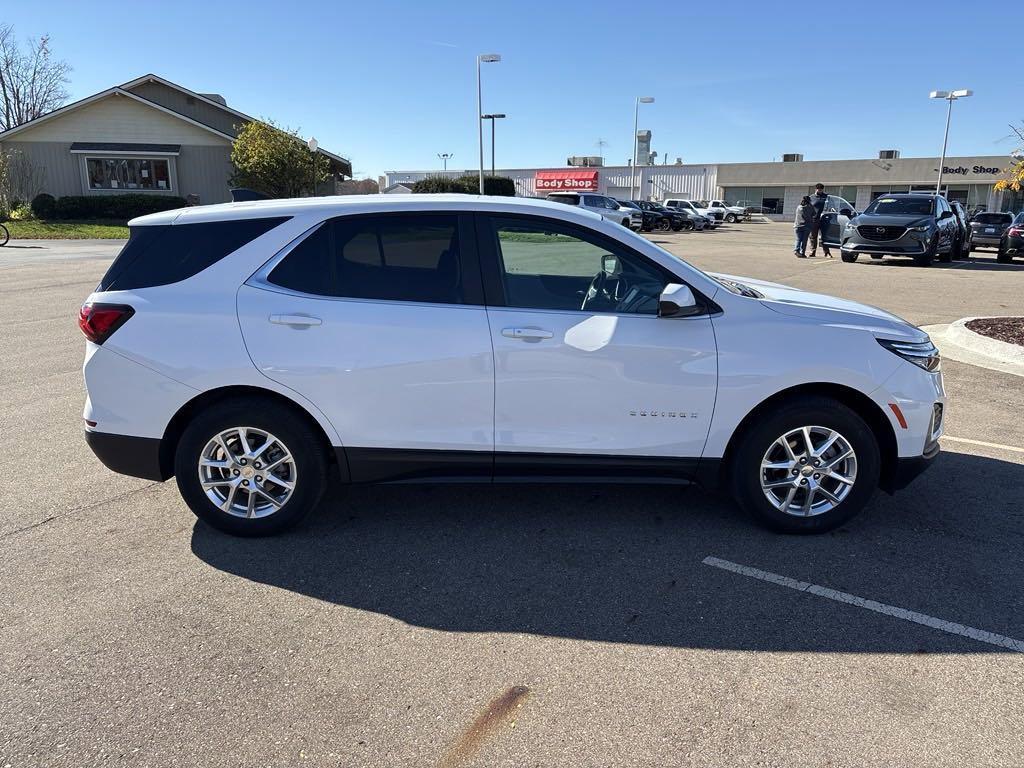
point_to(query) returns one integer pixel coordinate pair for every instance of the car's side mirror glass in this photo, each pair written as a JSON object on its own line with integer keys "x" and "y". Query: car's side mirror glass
{"x": 945, "y": 214}
{"x": 846, "y": 212}
{"x": 677, "y": 300}
{"x": 610, "y": 264}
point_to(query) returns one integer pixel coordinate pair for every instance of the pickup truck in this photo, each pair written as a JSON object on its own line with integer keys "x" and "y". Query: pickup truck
{"x": 731, "y": 213}
{"x": 678, "y": 203}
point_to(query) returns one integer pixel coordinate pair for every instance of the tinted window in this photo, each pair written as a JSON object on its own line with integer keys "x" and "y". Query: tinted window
{"x": 546, "y": 265}
{"x": 993, "y": 218}
{"x": 167, "y": 253}
{"x": 395, "y": 258}
{"x": 901, "y": 206}
{"x": 567, "y": 199}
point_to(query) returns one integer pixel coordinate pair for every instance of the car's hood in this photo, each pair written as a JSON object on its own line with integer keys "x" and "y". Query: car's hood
{"x": 823, "y": 308}
{"x": 878, "y": 220}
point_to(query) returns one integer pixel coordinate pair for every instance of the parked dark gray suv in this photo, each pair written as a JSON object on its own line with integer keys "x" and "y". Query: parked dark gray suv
{"x": 915, "y": 224}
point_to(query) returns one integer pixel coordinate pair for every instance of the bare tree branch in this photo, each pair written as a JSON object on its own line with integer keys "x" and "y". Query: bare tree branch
{"x": 31, "y": 80}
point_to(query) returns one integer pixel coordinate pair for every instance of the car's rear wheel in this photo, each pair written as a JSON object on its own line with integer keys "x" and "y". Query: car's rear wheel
{"x": 807, "y": 467}
{"x": 250, "y": 467}
{"x": 849, "y": 258}
{"x": 925, "y": 258}
{"x": 1002, "y": 256}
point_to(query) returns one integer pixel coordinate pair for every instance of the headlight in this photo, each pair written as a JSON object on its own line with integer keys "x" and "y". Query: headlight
{"x": 922, "y": 228}
{"x": 923, "y": 354}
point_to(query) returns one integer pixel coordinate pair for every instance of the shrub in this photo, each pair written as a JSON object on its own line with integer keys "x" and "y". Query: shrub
{"x": 44, "y": 206}
{"x": 468, "y": 185}
{"x": 21, "y": 212}
{"x": 114, "y": 206}
{"x": 435, "y": 184}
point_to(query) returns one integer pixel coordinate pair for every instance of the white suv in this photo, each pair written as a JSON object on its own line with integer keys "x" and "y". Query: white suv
{"x": 603, "y": 206}
{"x": 714, "y": 217}
{"x": 253, "y": 350}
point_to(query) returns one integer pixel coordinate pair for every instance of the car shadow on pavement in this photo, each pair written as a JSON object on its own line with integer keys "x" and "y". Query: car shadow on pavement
{"x": 623, "y": 564}
{"x": 974, "y": 264}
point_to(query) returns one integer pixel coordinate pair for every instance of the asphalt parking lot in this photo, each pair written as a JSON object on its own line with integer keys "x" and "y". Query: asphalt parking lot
{"x": 497, "y": 626}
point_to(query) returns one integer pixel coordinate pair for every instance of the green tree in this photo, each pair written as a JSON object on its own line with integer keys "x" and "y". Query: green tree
{"x": 1014, "y": 178}
{"x": 275, "y": 161}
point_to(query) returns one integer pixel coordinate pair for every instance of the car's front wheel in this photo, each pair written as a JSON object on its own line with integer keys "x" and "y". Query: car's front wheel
{"x": 250, "y": 467}
{"x": 807, "y": 467}
{"x": 849, "y": 258}
{"x": 926, "y": 258}
{"x": 730, "y": 218}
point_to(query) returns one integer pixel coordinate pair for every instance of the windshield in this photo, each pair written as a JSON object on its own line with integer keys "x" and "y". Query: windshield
{"x": 628, "y": 204}
{"x": 658, "y": 208}
{"x": 901, "y": 206}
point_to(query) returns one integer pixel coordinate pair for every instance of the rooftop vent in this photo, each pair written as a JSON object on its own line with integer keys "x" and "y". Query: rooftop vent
{"x": 889, "y": 154}
{"x": 793, "y": 158}
{"x": 215, "y": 97}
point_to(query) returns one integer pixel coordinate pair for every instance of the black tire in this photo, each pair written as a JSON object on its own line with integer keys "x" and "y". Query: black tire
{"x": 677, "y": 227}
{"x": 730, "y": 218}
{"x": 745, "y": 465}
{"x": 1002, "y": 256}
{"x": 947, "y": 257}
{"x": 4, "y": 235}
{"x": 664, "y": 225}
{"x": 849, "y": 258}
{"x": 925, "y": 259}
{"x": 303, "y": 441}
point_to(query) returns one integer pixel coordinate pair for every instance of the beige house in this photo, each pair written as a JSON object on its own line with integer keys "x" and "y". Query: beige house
{"x": 148, "y": 136}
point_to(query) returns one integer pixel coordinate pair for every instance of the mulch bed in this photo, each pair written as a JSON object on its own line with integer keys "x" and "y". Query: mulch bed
{"x": 1008, "y": 329}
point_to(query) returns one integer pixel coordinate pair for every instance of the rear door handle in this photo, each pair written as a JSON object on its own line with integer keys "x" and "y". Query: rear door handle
{"x": 527, "y": 334}
{"x": 296, "y": 321}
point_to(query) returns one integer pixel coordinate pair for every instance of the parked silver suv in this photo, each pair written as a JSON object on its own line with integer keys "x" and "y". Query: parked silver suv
{"x": 915, "y": 224}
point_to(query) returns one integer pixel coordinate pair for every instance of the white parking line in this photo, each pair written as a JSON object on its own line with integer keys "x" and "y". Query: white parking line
{"x": 871, "y": 605}
{"x": 1000, "y": 446}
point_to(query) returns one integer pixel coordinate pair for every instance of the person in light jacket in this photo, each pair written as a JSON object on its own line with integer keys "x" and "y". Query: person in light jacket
{"x": 802, "y": 224}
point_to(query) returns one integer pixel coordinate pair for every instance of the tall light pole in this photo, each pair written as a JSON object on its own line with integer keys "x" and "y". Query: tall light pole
{"x": 483, "y": 58}
{"x": 445, "y": 157}
{"x": 636, "y": 127}
{"x": 492, "y": 118}
{"x": 950, "y": 97}
{"x": 313, "y": 145}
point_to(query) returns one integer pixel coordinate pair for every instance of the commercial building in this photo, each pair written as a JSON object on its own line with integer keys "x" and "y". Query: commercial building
{"x": 776, "y": 187}
{"x": 146, "y": 136}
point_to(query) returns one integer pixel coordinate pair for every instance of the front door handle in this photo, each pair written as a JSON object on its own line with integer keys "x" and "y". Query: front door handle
{"x": 527, "y": 334}
{"x": 296, "y": 321}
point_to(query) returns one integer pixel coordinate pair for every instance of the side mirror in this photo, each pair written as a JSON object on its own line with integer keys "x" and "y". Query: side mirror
{"x": 677, "y": 300}
{"x": 945, "y": 214}
{"x": 847, "y": 212}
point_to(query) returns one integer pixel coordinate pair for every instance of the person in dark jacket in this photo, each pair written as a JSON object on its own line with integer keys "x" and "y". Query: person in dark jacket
{"x": 802, "y": 226}
{"x": 818, "y": 201}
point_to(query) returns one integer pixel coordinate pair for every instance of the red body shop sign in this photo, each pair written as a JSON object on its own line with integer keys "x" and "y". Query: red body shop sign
{"x": 574, "y": 181}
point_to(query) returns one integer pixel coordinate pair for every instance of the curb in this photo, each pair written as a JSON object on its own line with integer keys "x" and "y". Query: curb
{"x": 957, "y": 342}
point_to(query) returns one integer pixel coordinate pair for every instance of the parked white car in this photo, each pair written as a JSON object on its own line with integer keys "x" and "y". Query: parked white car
{"x": 730, "y": 213}
{"x": 606, "y": 207}
{"x": 252, "y": 350}
{"x": 713, "y": 219}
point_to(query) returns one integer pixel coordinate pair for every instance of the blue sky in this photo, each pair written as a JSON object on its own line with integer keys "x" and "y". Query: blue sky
{"x": 391, "y": 84}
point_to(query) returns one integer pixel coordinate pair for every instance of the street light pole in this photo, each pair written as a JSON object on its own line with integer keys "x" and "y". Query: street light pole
{"x": 492, "y": 118}
{"x": 445, "y": 157}
{"x": 486, "y": 58}
{"x": 950, "y": 97}
{"x": 313, "y": 145}
{"x": 636, "y": 142}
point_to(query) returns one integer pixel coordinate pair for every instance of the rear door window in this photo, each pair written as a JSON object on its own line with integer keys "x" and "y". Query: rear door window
{"x": 392, "y": 258}
{"x": 169, "y": 253}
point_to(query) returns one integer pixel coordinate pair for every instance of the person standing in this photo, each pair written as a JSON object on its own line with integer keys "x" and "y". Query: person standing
{"x": 802, "y": 226}
{"x": 818, "y": 201}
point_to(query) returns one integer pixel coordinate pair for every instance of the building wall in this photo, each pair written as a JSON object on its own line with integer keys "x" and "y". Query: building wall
{"x": 119, "y": 119}
{"x": 199, "y": 110}
{"x": 205, "y": 171}
{"x": 656, "y": 182}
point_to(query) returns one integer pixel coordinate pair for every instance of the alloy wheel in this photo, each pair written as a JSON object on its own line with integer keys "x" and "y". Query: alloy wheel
{"x": 808, "y": 471}
{"x": 247, "y": 472}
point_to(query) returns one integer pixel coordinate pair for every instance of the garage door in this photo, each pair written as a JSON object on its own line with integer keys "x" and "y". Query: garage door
{"x": 619, "y": 193}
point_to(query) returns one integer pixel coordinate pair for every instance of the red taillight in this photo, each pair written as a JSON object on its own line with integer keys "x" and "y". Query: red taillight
{"x": 98, "y": 321}
{"x": 1016, "y": 232}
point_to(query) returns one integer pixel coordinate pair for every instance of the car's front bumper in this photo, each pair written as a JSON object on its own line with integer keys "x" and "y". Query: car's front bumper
{"x": 909, "y": 467}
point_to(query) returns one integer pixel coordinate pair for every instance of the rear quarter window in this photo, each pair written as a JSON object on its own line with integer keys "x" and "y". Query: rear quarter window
{"x": 169, "y": 253}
